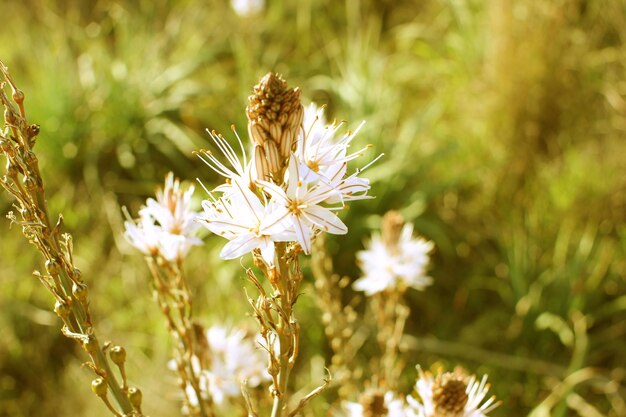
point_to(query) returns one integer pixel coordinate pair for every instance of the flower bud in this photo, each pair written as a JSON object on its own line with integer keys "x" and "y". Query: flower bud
{"x": 135, "y": 396}
{"x": 30, "y": 183}
{"x": 30, "y": 158}
{"x": 32, "y": 130}
{"x": 63, "y": 309}
{"x": 118, "y": 355}
{"x": 80, "y": 291}
{"x": 99, "y": 387}
{"x": 76, "y": 275}
{"x": 392, "y": 228}
{"x": 449, "y": 393}
{"x": 10, "y": 117}
{"x": 18, "y": 96}
{"x": 275, "y": 115}
{"x": 5, "y": 146}
{"x": 373, "y": 404}
{"x": 90, "y": 345}
{"x": 12, "y": 170}
{"x": 53, "y": 267}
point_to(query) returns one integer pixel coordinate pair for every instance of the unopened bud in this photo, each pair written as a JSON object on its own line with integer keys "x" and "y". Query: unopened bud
{"x": 90, "y": 345}
{"x": 80, "y": 291}
{"x": 62, "y": 308}
{"x": 18, "y": 96}
{"x": 5, "y": 146}
{"x": 10, "y": 117}
{"x": 30, "y": 183}
{"x": 76, "y": 275}
{"x": 274, "y": 115}
{"x": 53, "y": 267}
{"x": 118, "y": 355}
{"x": 393, "y": 222}
{"x": 12, "y": 170}
{"x": 33, "y": 130}
{"x": 30, "y": 158}
{"x": 99, "y": 387}
{"x": 135, "y": 396}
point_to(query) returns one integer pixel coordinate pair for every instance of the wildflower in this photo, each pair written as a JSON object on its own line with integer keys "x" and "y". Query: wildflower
{"x": 233, "y": 356}
{"x": 246, "y": 222}
{"x": 295, "y": 181}
{"x": 300, "y": 205}
{"x": 323, "y": 156}
{"x": 377, "y": 404}
{"x": 172, "y": 208}
{"x": 239, "y": 170}
{"x": 451, "y": 394}
{"x": 395, "y": 260}
{"x": 247, "y": 7}
{"x": 166, "y": 226}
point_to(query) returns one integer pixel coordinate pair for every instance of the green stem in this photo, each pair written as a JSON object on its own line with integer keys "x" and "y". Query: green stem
{"x": 101, "y": 361}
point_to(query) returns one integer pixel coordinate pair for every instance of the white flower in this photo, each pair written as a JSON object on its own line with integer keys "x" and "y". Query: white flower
{"x": 391, "y": 404}
{"x": 403, "y": 265}
{"x": 324, "y": 158}
{"x": 253, "y": 215}
{"x": 234, "y": 356}
{"x": 451, "y": 394}
{"x": 166, "y": 225}
{"x": 239, "y": 169}
{"x": 247, "y": 7}
{"x": 298, "y": 205}
{"x": 143, "y": 234}
{"x": 172, "y": 208}
{"x": 241, "y": 217}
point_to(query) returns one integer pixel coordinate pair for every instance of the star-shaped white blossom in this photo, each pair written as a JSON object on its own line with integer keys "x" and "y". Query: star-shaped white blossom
{"x": 166, "y": 226}
{"x": 387, "y": 267}
{"x": 298, "y": 207}
{"x": 242, "y": 218}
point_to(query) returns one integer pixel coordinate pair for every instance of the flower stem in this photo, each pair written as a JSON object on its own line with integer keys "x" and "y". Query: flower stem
{"x": 287, "y": 286}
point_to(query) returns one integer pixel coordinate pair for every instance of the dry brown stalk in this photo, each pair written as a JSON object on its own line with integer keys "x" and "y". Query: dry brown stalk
{"x": 339, "y": 322}
{"x": 61, "y": 277}
{"x": 173, "y": 296}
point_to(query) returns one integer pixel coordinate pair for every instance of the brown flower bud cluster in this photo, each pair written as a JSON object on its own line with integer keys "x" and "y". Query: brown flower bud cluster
{"x": 449, "y": 394}
{"x": 275, "y": 117}
{"x": 374, "y": 404}
{"x": 393, "y": 222}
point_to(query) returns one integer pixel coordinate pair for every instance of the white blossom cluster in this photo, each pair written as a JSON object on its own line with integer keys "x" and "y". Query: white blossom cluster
{"x": 403, "y": 264}
{"x": 253, "y": 214}
{"x": 464, "y": 397}
{"x": 234, "y": 356}
{"x": 166, "y": 226}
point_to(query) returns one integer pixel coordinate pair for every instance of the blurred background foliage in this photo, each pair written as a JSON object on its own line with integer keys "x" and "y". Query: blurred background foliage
{"x": 502, "y": 125}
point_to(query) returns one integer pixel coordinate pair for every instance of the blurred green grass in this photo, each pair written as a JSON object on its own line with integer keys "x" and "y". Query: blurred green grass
{"x": 503, "y": 132}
